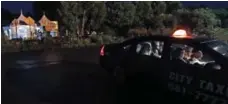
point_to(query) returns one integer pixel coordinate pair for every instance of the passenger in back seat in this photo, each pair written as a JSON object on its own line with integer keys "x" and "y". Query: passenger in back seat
{"x": 146, "y": 49}
{"x": 157, "y": 49}
{"x": 178, "y": 55}
{"x": 196, "y": 58}
{"x": 188, "y": 53}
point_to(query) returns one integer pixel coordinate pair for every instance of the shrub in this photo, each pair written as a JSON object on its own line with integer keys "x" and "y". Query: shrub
{"x": 86, "y": 42}
{"x": 139, "y": 31}
{"x": 107, "y": 39}
{"x": 96, "y": 39}
{"x": 79, "y": 43}
{"x": 119, "y": 39}
{"x": 108, "y": 31}
{"x": 9, "y": 47}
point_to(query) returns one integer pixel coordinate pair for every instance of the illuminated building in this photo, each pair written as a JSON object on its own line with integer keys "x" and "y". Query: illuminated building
{"x": 26, "y": 27}
{"x": 50, "y": 26}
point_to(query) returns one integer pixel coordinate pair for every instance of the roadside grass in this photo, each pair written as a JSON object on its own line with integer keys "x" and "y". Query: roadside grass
{"x": 92, "y": 40}
{"x": 222, "y": 34}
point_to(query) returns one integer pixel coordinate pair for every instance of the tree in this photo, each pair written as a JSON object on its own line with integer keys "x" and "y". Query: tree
{"x": 221, "y": 14}
{"x": 172, "y": 6}
{"x": 155, "y": 14}
{"x": 183, "y": 17}
{"x": 97, "y": 16}
{"x": 201, "y": 21}
{"x": 144, "y": 13}
{"x": 82, "y": 16}
{"x": 159, "y": 9}
{"x": 206, "y": 18}
{"x": 120, "y": 15}
{"x": 68, "y": 18}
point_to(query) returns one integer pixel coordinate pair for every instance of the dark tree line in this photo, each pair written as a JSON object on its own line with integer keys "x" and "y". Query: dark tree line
{"x": 114, "y": 17}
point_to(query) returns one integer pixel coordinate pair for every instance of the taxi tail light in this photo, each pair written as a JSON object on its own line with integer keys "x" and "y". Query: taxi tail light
{"x": 102, "y": 53}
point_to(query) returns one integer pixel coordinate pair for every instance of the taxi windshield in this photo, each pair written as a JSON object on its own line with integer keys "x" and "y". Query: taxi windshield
{"x": 219, "y": 46}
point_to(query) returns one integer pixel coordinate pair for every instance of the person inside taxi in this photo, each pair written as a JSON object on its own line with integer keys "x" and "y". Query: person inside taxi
{"x": 188, "y": 53}
{"x": 157, "y": 49}
{"x": 179, "y": 55}
{"x": 196, "y": 58}
{"x": 146, "y": 49}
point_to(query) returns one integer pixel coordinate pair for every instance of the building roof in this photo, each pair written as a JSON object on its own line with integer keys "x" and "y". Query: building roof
{"x": 22, "y": 20}
{"x": 21, "y": 17}
{"x": 14, "y": 22}
{"x": 30, "y": 21}
{"x": 44, "y": 20}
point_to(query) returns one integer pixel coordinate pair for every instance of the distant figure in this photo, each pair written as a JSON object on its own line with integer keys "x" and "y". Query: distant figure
{"x": 39, "y": 35}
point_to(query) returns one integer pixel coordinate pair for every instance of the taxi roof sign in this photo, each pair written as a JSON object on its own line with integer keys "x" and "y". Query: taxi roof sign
{"x": 181, "y": 33}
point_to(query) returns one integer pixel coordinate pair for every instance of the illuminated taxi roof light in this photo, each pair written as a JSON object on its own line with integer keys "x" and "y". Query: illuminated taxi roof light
{"x": 180, "y": 34}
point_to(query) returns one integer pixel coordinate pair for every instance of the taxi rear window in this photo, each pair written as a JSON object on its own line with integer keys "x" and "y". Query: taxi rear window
{"x": 219, "y": 46}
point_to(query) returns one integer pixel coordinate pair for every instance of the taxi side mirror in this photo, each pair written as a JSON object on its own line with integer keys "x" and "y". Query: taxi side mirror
{"x": 213, "y": 66}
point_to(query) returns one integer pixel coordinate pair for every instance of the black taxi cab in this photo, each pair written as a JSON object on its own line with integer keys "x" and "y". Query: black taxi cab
{"x": 193, "y": 68}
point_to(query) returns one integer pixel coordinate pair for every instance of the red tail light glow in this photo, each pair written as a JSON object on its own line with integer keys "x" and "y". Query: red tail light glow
{"x": 102, "y": 50}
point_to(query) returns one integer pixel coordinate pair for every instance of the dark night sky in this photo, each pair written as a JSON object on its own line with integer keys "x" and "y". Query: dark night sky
{"x": 26, "y": 6}
{"x": 16, "y": 6}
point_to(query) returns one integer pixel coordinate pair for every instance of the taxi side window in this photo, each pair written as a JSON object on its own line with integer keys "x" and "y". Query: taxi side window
{"x": 201, "y": 59}
{"x": 207, "y": 57}
{"x": 150, "y": 48}
{"x": 189, "y": 55}
{"x": 181, "y": 52}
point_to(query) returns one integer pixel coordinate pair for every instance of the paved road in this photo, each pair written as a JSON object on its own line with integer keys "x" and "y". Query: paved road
{"x": 47, "y": 78}
{"x": 68, "y": 77}
{"x": 65, "y": 83}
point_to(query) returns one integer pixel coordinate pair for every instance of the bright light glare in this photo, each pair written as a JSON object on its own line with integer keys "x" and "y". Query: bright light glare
{"x": 180, "y": 34}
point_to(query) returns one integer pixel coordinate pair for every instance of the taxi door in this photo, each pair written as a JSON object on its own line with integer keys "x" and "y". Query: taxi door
{"x": 196, "y": 83}
{"x": 212, "y": 80}
{"x": 182, "y": 77}
{"x": 155, "y": 72}
{"x": 211, "y": 87}
{"x": 144, "y": 70}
